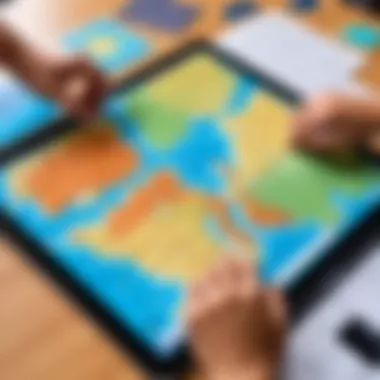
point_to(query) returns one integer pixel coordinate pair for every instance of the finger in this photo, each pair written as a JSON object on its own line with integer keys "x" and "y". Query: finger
{"x": 195, "y": 299}
{"x": 85, "y": 86}
{"x": 302, "y": 129}
{"x": 241, "y": 283}
{"x": 277, "y": 307}
{"x": 219, "y": 275}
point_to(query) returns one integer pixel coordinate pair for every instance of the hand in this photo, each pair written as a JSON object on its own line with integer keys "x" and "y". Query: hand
{"x": 332, "y": 123}
{"x": 236, "y": 327}
{"x": 77, "y": 85}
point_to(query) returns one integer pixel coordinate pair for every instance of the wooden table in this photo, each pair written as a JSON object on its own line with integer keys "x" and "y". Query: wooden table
{"x": 42, "y": 337}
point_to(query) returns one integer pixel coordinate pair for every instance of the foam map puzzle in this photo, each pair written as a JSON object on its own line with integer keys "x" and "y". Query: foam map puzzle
{"x": 109, "y": 43}
{"x": 183, "y": 167}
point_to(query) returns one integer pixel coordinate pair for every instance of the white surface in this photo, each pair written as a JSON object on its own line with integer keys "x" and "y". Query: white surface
{"x": 315, "y": 351}
{"x": 292, "y": 53}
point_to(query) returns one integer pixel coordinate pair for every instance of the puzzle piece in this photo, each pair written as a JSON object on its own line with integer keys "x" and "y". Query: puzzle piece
{"x": 22, "y": 111}
{"x": 109, "y": 44}
{"x": 362, "y": 36}
{"x": 305, "y": 5}
{"x": 239, "y": 10}
{"x": 163, "y": 14}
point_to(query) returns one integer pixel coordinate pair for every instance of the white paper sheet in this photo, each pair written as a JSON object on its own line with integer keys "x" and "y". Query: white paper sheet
{"x": 292, "y": 53}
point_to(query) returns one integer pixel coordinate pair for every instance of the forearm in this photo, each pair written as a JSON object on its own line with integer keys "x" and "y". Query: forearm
{"x": 16, "y": 55}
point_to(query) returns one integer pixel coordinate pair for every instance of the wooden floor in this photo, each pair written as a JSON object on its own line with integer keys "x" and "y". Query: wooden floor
{"x": 42, "y": 337}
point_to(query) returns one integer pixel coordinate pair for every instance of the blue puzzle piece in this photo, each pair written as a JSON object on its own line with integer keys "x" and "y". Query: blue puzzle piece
{"x": 109, "y": 43}
{"x": 239, "y": 10}
{"x": 305, "y": 5}
{"x": 22, "y": 111}
{"x": 164, "y": 14}
{"x": 362, "y": 36}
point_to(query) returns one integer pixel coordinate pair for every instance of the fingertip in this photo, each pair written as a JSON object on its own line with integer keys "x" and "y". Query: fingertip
{"x": 278, "y": 305}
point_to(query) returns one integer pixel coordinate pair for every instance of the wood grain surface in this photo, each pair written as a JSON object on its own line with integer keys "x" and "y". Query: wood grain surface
{"x": 42, "y": 336}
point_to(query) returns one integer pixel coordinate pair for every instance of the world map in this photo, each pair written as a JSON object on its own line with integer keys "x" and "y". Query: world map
{"x": 191, "y": 165}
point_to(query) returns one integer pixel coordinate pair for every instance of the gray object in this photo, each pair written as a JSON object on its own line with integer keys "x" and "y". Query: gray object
{"x": 315, "y": 350}
{"x": 168, "y": 15}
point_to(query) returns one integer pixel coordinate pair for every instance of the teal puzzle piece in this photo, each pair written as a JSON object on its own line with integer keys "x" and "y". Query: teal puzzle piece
{"x": 362, "y": 36}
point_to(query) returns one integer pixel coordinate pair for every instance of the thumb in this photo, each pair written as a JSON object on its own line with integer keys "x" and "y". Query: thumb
{"x": 277, "y": 308}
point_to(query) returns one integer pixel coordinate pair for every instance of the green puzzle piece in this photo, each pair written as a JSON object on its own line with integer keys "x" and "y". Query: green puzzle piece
{"x": 160, "y": 124}
{"x": 303, "y": 186}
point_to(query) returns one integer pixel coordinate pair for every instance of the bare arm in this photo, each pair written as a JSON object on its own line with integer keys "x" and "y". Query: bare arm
{"x": 17, "y": 56}
{"x": 72, "y": 81}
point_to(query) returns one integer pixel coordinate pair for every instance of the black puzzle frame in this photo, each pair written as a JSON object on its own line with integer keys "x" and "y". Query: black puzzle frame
{"x": 302, "y": 294}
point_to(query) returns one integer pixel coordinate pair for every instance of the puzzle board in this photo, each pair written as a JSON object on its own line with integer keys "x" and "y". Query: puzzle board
{"x": 186, "y": 165}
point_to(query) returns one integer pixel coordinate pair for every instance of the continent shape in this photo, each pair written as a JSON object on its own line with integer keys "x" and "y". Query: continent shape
{"x": 260, "y": 137}
{"x": 199, "y": 86}
{"x": 161, "y": 125}
{"x": 168, "y": 237}
{"x": 111, "y": 45}
{"x": 102, "y": 46}
{"x": 65, "y": 173}
{"x": 305, "y": 186}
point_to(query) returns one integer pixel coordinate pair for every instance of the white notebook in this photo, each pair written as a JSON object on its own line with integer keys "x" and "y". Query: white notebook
{"x": 293, "y": 53}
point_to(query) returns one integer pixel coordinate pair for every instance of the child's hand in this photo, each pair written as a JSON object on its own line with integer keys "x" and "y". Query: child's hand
{"x": 74, "y": 82}
{"x": 327, "y": 123}
{"x": 331, "y": 122}
{"x": 236, "y": 327}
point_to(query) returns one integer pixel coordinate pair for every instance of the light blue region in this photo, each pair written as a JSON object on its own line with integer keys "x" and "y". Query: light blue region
{"x": 277, "y": 245}
{"x": 353, "y": 209}
{"x": 199, "y": 157}
{"x": 130, "y": 47}
{"x": 241, "y": 96}
{"x": 213, "y": 229}
{"x": 196, "y": 158}
{"x": 135, "y": 297}
{"x": 22, "y": 112}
